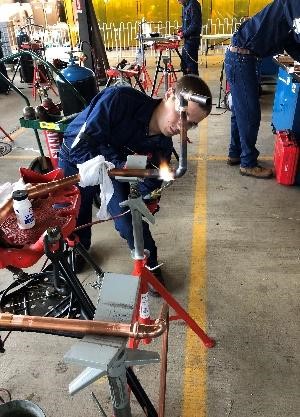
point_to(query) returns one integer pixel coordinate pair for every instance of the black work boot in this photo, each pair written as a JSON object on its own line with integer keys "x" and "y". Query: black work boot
{"x": 80, "y": 263}
{"x": 232, "y": 161}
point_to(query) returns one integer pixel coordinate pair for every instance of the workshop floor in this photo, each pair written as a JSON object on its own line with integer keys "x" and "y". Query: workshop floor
{"x": 230, "y": 247}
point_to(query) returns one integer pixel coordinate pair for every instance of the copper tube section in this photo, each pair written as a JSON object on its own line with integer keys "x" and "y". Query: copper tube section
{"x": 40, "y": 190}
{"x": 10, "y": 322}
{"x": 163, "y": 371}
{"x": 141, "y": 173}
{"x": 43, "y": 189}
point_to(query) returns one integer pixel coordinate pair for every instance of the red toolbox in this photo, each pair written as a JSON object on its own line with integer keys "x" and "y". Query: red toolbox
{"x": 286, "y": 157}
{"x": 23, "y": 248}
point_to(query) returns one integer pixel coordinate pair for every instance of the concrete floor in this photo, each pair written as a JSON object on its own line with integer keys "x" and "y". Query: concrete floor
{"x": 230, "y": 247}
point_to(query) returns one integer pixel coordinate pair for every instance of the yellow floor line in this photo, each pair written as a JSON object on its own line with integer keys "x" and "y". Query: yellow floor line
{"x": 194, "y": 391}
{"x": 223, "y": 158}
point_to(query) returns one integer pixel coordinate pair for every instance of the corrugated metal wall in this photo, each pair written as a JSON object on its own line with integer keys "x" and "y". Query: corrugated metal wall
{"x": 117, "y": 11}
{"x": 160, "y": 10}
{"x": 231, "y": 8}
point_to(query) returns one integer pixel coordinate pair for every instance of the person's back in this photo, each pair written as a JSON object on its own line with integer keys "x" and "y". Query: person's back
{"x": 270, "y": 31}
{"x": 118, "y": 117}
{"x": 191, "y": 19}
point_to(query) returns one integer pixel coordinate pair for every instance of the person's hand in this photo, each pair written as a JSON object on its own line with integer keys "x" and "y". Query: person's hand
{"x": 180, "y": 33}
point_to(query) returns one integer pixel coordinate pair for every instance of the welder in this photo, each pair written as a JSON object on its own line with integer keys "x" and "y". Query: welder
{"x": 190, "y": 32}
{"x": 271, "y": 31}
{"x": 122, "y": 121}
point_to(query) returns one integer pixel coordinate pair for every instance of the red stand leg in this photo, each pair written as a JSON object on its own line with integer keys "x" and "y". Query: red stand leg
{"x": 142, "y": 311}
{"x": 150, "y": 278}
{"x": 145, "y": 78}
{"x": 39, "y": 78}
{"x": 6, "y": 134}
{"x": 158, "y": 85}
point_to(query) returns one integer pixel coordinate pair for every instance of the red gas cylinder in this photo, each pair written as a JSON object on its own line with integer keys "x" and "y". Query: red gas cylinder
{"x": 286, "y": 157}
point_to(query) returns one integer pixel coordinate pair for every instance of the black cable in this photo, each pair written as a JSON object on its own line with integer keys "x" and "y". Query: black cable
{"x": 140, "y": 394}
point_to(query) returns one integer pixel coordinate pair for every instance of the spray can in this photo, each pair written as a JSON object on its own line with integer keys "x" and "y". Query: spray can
{"x": 23, "y": 209}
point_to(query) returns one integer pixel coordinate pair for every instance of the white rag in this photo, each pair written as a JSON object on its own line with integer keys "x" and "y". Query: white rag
{"x": 94, "y": 172}
{"x": 7, "y": 189}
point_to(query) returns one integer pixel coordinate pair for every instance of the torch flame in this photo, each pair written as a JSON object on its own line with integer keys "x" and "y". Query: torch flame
{"x": 165, "y": 173}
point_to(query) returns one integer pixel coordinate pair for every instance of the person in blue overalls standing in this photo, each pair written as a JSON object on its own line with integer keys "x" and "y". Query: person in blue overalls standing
{"x": 190, "y": 32}
{"x": 122, "y": 121}
{"x": 272, "y": 30}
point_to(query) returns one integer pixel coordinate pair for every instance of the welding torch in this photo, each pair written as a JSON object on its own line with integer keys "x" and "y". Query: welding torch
{"x": 185, "y": 97}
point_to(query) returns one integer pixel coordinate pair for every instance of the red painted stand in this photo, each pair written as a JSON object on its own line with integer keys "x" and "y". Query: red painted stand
{"x": 172, "y": 78}
{"x": 142, "y": 313}
{"x": 145, "y": 78}
{"x": 6, "y": 134}
{"x": 40, "y": 80}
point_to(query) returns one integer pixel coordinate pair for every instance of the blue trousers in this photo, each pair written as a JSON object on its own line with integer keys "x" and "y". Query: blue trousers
{"x": 189, "y": 63}
{"x": 243, "y": 78}
{"x": 123, "y": 224}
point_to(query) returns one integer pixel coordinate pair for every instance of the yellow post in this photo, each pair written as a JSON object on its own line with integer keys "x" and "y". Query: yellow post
{"x": 71, "y": 21}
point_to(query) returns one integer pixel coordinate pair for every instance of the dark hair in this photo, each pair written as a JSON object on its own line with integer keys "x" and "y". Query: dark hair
{"x": 195, "y": 84}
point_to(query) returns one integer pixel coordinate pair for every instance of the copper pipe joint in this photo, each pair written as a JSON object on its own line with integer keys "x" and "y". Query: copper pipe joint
{"x": 10, "y": 321}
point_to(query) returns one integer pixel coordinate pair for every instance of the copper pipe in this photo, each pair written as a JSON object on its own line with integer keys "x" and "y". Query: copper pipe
{"x": 163, "y": 371}
{"x": 10, "y": 322}
{"x": 43, "y": 189}
{"x": 144, "y": 331}
{"x": 81, "y": 327}
{"x": 40, "y": 190}
{"x": 141, "y": 173}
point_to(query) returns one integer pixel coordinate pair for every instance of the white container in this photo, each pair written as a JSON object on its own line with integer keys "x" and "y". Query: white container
{"x": 23, "y": 209}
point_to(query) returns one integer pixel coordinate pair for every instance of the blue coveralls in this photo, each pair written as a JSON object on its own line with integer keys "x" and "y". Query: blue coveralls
{"x": 274, "y": 29}
{"x": 191, "y": 29}
{"x": 117, "y": 124}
